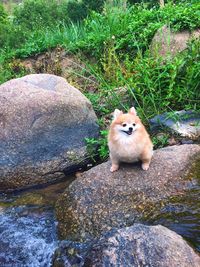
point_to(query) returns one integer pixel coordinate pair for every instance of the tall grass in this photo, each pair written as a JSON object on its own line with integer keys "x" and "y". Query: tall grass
{"x": 115, "y": 46}
{"x": 149, "y": 84}
{"x": 132, "y": 27}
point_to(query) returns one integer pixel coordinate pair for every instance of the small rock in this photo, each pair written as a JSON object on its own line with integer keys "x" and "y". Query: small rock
{"x": 184, "y": 123}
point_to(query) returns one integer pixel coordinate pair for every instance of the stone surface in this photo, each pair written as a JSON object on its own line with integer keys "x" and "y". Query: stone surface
{"x": 44, "y": 122}
{"x": 100, "y": 200}
{"x": 185, "y": 123}
{"x": 167, "y": 43}
{"x": 135, "y": 246}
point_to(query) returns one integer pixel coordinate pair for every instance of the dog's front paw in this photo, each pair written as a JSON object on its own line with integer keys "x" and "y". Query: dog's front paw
{"x": 114, "y": 168}
{"x": 145, "y": 166}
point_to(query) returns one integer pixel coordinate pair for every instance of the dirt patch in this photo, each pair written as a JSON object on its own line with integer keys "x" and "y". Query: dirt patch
{"x": 62, "y": 63}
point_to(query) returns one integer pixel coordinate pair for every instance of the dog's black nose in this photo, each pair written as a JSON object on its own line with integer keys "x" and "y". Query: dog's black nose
{"x": 130, "y": 129}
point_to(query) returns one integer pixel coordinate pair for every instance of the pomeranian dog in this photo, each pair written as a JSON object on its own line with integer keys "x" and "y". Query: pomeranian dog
{"x": 128, "y": 140}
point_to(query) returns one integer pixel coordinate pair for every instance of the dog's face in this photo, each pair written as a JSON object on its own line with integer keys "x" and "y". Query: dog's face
{"x": 125, "y": 124}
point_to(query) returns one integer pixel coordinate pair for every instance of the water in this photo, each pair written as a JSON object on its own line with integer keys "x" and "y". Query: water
{"x": 28, "y": 227}
{"x": 27, "y": 236}
{"x": 182, "y": 215}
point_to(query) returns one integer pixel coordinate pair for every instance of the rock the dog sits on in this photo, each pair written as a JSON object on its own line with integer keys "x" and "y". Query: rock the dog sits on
{"x": 128, "y": 140}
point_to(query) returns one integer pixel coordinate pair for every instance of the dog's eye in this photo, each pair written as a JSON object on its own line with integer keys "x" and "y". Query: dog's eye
{"x": 124, "y": 124}
{"x": 134, "y": 124}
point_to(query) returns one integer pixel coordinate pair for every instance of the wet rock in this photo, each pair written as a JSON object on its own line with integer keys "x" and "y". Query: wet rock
{"x": 44, "y": 122}
{"x": 71, "y": 253}
{"x": 186, "y": 142}
{"x": 185, "y": 123}
{"x": 135, "y": 246}
{"x": 168, "y": 44}
{"x": 100, "y": 200}
{"x": 172, "y": 141}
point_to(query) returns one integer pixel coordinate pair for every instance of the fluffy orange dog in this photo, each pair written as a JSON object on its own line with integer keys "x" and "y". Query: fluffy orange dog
{"x": 128, "y": 140}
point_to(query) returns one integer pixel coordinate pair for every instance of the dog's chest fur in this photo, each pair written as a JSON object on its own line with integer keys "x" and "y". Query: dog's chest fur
{"x": 126, "y": 148}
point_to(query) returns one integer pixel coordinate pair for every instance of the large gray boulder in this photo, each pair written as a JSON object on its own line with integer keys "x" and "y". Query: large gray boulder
{"x": 135, "y": 246}
{"x": 100, "y": 200}
{"x": 44, "y": 122}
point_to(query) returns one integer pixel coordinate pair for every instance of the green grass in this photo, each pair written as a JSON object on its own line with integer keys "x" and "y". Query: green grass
{"x": 133, "y": 28}
{"x": 115, "y": 46}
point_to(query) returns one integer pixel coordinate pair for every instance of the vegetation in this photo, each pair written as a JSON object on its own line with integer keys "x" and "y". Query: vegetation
{"x": 114, "y": 41}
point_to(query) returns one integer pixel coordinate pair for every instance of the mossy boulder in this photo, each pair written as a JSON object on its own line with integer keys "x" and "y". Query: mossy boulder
{"x": 100, "y": 200}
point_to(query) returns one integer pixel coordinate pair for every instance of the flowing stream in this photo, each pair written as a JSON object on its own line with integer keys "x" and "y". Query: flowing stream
{"x": 28, "y": 226}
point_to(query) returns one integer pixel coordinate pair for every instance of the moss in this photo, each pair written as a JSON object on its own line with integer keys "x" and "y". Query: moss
{"x": 194, "y": 171}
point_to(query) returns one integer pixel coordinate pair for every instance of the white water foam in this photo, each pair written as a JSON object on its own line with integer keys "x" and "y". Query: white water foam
{"x": 27, "y": 237}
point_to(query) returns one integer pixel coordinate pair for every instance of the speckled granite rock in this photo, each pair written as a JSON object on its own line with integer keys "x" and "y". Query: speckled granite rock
{"x": 44, "y": 122}
{"x": 168, "y": 44}
{"x": 185, "y": 123}
{"x": 135, "y": 246}
{"x": 100, "y": 200}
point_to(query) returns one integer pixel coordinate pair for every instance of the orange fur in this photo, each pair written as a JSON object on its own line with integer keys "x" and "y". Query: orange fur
{"x": 128, "y": 140}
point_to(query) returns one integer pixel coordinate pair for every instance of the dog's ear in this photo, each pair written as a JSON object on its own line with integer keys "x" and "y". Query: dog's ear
{"x": 132, "y": 111}
{"x": 116, "y": 113}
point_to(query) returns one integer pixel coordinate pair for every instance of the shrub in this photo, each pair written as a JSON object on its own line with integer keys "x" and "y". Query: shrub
{"x": 33, "y": 14}
{"x": 149, "y": 2}
{"x": 95, "y": 5}
{"x": 3, "y": 14}
{"x": 134, "y": 27}
{"x": 76, "y": 11}
{"x": 10, "y": 35}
